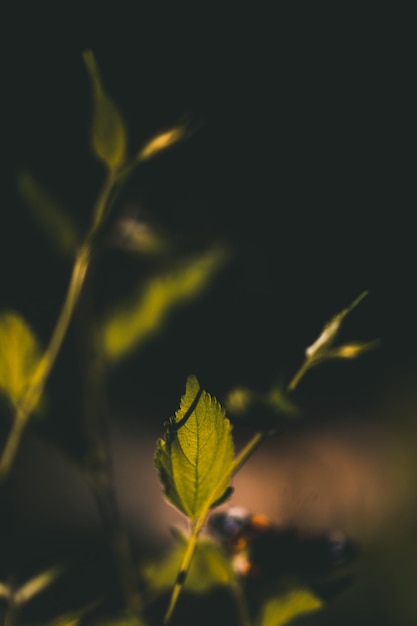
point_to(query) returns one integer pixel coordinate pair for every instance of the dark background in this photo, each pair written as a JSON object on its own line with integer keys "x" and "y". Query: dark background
{"x": 302, "y": 161}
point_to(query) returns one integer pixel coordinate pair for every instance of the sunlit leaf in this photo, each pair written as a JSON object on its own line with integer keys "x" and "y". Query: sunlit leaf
{"x": 19, "y": 355}
{"x": 58, "y": 226}
{"x": 330, "y": 331}
{"x": 282, "y": 609}
{"x": 209, "y": 568}
{"x": 352, "y": 350}
{"x": 127, "y": 327}
{"x": 324, "y": 349}
{"x": 36, "y": 585}
{"x": 161, "y": 142}
{"x": 195, "y": 458}
{"x": 108, "y": 136}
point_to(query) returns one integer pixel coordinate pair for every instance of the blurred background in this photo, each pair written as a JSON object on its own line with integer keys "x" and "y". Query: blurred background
{"x": 301, "y": 161}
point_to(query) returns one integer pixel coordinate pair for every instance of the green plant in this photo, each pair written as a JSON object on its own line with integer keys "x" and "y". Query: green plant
{"x": 196, "y": 459}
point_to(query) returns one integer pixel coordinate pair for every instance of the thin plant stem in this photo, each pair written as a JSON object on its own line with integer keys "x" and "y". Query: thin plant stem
{"x": 12, "y": 614}
{"x": 185, "y": 564}
{"x": 103, "y": 205}
{"x": 100, "y": 467}
{"x": 46, "y": 363}
{"x": 299, "y": 375}
{"x": 249, "y": 449}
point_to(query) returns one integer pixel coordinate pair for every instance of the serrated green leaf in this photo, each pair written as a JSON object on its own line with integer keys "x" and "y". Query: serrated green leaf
{"x": 283, "y": 609}
{"x": 195, "y": 459}
{"x": 127, "y": 327}
{"x": 209, "y": 568}
{"x": 19, "y": 355}
{"x": 108, "y": 137}
{"x": 58, "y": 226}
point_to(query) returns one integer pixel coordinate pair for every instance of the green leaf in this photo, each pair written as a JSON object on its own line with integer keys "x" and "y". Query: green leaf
{"x": 5, "y": 591}
{"x": 352, "y": 350}
{"x": 209, "y": 568}
{"x": 109, "y": 137}
{"x": 327, "y": 337}
{"x": 36, "y": 585}
{"x": 19, "y": 355}
{"x": 195, "y": 459}
{"x": 282, "y": 609}
{"x": 127, "y": 327}
{"x": 60, "y": 229}
{"x": 161, "y": 142}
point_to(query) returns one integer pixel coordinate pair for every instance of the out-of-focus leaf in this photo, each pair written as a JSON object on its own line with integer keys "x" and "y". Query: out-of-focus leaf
{"x": 330, "y": 331}
{"x": 282, "y": 609}
{"x": 352, "y": 350}
{"x": 195, "y": 458}
{"x": 66, "y": 620}
{"x": 19, "y": 355}
{"x": 127, "y": 327}
{"x": 5, "y": 591}
{"x": 209, "y": 568}
{"x": 109, "y": 137}
{"x": 58, "y": 226}
{"x": 125, "y": 620}
{"x": 161, "y": 142}
{"x": 36, "y": 585}
{"x": 74, "y": 618}
{"x": 265, "y": 410}
{"x": 135, "y": 235}
{"x": 323, "y": 348}
{"x": 279, "y": 399}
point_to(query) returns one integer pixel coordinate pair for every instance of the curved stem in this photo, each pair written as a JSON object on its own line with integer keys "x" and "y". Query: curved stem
{"x": 31, "y": 396}
{"x": 185, "y": 564}
{"x": 98, "y": 463}
{"x": 40, "y": 376}
{"x": 249, "y": 449}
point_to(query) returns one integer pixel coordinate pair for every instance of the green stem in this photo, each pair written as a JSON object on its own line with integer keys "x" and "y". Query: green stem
{"x": 100, "y": 467}
{"x": 260, "y": 436}
{"x": 299, "y": 375}
{"x": 249, "y": 449}
{"x": 185, "y": 564}
{"x": 28, "y": 402}
{"x": 12, "y": 614}
{"x": 42, "y": 371}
